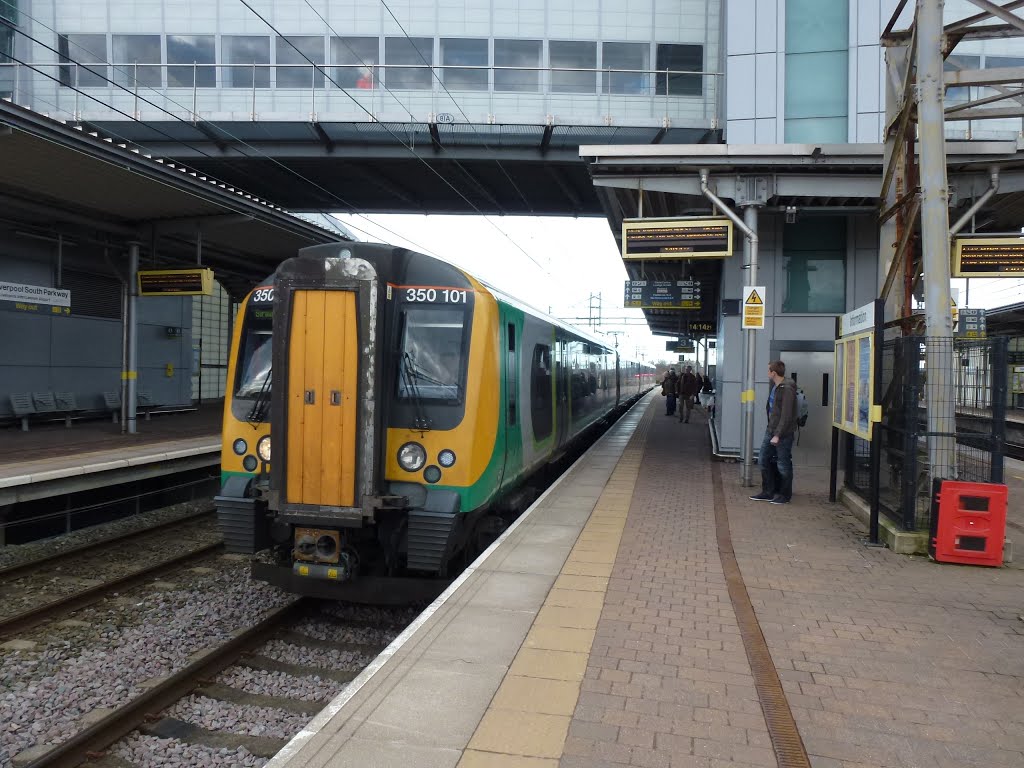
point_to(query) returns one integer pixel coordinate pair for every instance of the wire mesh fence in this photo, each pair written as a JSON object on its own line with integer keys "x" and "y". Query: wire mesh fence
{"x": 944, "y": 416}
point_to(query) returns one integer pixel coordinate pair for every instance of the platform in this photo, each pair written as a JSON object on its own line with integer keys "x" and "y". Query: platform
{"x": 52, "y": 459}
{"x": 611, "y": 627}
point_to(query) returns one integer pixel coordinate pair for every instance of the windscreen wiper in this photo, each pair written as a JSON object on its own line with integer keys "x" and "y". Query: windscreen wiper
{"x": 409, "y": 375}
{"x": 262, "y": 403}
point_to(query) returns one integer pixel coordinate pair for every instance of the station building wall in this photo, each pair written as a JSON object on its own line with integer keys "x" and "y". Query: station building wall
{"x": 80, "y": 352}
{"x": 813, "y": 270}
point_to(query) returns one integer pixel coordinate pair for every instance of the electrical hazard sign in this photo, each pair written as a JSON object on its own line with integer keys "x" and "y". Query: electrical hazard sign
{"x": 753, "y": 307}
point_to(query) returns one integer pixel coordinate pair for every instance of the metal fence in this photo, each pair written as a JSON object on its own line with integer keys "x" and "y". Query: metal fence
{"x": 974, "y": 431}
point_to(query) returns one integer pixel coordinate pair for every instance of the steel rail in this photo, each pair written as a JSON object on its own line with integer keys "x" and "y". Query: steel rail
{"x": 89, "y": 743}
{"x": 12, "y": 570}
{"x": 42, "y": 613}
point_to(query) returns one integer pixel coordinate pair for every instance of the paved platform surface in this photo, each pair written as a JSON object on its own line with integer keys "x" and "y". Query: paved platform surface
{"x": 600, "y": 632}
{"x": 52, "y": 451}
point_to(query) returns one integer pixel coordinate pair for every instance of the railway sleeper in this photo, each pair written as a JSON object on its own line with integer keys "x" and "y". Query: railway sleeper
{"x": 265, "y": 664}
{"x": 236, "y": 696}
{"x": 173, "y": 728}
{"x": 297, "y": 638}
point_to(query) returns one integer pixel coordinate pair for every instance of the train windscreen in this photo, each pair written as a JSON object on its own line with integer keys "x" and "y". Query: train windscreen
{"x": 432, "y": 363}
{"x": 253, "y": 378}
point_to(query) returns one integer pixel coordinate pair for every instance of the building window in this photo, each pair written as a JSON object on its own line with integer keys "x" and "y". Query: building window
{"x": 355, "y": 61}
{"x": 299, "y": 73}
{"x": 456, "y": 53}
{"x": 523, "y": 56}
{"x": 80, "y": 56}
{"x": 238, "y": 54}
{"x": 814, "y": 261}
{"x": 407, "y": 62}
{"x": 817, "y": 62}
{"x": 573, "y": 66}
{"x": 675, "y": 59}
{"x": 6, "y": 49}
{"x": 184, "y": 53}
{"x": 540, "y": 391}
{"x": 629, "y": 64}
{"x": 130, "y": 54}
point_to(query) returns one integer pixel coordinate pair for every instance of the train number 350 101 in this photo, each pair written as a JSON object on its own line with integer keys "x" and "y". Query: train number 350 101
{"x": 443, "y": 295}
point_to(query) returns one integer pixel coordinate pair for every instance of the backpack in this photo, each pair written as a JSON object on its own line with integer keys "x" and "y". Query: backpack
{"x": 801, "y": 408}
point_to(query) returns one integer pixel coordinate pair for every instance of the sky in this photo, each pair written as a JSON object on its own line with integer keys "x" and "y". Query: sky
{"x": 552, "y": 263}
{"x": 556, "y": 263}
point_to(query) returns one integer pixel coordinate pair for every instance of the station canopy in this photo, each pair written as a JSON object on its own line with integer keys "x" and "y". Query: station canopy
{"x": 789, "y": 179}
{"x": 58, "y": 178}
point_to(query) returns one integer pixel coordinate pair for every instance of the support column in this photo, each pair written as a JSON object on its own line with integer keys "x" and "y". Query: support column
{"x": 132, "y": 340}
{"x": 941, "y": 395}
{"x": 750, "y": 361}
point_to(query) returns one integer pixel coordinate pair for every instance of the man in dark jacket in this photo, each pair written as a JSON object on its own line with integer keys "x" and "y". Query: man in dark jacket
{"x": 777, "y": 445}
{"x": 688, "y": 388}
{"x": 670, "y": 389}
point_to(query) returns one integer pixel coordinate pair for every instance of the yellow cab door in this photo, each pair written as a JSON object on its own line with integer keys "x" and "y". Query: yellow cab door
{"x": 322, "y": 379}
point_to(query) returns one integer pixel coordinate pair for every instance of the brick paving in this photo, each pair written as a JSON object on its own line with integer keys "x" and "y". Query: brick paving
{"x": 887, "y": 660}
{"x": 667, "y": 684}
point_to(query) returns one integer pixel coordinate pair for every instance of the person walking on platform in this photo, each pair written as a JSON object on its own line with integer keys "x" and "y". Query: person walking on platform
{"x": 777, "y": 445}
{"x": 670, "y": 389}
{"x": 688, "y": 389}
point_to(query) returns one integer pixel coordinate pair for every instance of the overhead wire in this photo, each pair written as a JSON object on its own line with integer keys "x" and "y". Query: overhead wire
{"x": 412, "y": 151}
{"x": 458, "y": 106}
{"x": 71, "y": 61}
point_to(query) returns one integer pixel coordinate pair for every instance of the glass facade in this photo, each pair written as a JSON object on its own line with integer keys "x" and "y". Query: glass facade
{"x": 184, "y": 55}
{"x": 814, "y": 265}
{"x": 517, "y": 53}
{"x": 131, "y": 54}
{"x": 298, "y": 52}
{"x": 460, "y": 52}
{"x": 817, "y": 71}
{"x": 400, "y": 63}
{"x": 241, "y": 50}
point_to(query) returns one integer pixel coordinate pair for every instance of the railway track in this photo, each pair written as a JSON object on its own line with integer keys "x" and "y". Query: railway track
{"x": 45, "y": 588}
{"x": 1015, "y": 451}
{"x": 158, "y": 716}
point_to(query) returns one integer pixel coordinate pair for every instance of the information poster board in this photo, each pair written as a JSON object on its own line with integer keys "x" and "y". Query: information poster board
{"x": 854, "y": 382}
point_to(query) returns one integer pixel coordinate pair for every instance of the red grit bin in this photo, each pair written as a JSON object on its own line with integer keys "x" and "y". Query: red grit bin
{"x": 968, "y": 523}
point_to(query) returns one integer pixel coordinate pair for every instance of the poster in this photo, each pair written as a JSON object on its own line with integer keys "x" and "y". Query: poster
{"x": 864, "y": 382}
{"x": 837, "y": 388}
{"x": 850, "y": 379}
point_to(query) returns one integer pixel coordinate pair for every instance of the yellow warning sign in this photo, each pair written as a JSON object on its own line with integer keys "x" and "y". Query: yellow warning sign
{"x": 753, "y": 307}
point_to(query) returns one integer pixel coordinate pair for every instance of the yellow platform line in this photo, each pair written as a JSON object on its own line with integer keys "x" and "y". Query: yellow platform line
{"x": 526, "y": 724}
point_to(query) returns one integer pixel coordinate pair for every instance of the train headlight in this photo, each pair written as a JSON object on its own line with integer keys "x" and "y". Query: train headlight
{"x": 412, "y": 457}
{"x": 249, "y": 463}
{"x": 240, "y": 446}
{"x": 446, "y": 458}
{"x": 263, "y": 448}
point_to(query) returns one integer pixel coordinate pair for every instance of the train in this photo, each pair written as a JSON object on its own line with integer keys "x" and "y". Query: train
{"x": 388, "y": 414}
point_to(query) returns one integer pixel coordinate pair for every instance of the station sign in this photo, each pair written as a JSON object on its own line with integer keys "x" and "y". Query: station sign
{"x": 680, "y": 345}
{"x": 30, "y": 298}
{"x": 988, "y": 257}
{"x": 753, "y": 307}
{"x": 662, "y": 294}
{"x": 176, "y": 282}
{"x": 972, "y": 324}
{"x": 677, "y": 238}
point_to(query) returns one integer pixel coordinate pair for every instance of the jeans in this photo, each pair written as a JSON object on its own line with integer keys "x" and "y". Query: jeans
{"x": 670, "y": 404}
{"x": 776, "y": 463}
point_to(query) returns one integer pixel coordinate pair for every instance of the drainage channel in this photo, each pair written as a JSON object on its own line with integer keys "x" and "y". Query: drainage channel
{"x": 786, "y": 741}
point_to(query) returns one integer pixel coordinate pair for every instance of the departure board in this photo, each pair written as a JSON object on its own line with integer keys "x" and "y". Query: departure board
{"x": 703, "y": 238}
{"x": 988, "y": 257}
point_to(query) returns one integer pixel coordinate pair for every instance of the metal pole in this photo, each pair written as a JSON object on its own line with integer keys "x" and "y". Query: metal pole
{"x": 747, "y": 396}
{"x": 133, "y": 337}
{"x": 935, "y": 241}
{"x": 750, "y": 364}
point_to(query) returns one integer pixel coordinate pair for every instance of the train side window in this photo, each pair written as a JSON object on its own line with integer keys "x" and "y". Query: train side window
{"x": 510, "y": 376}
{"x": 540, "y": 391}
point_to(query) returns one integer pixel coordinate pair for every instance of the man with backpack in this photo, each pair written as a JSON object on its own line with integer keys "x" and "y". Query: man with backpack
{"x": 777, "y": 445}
